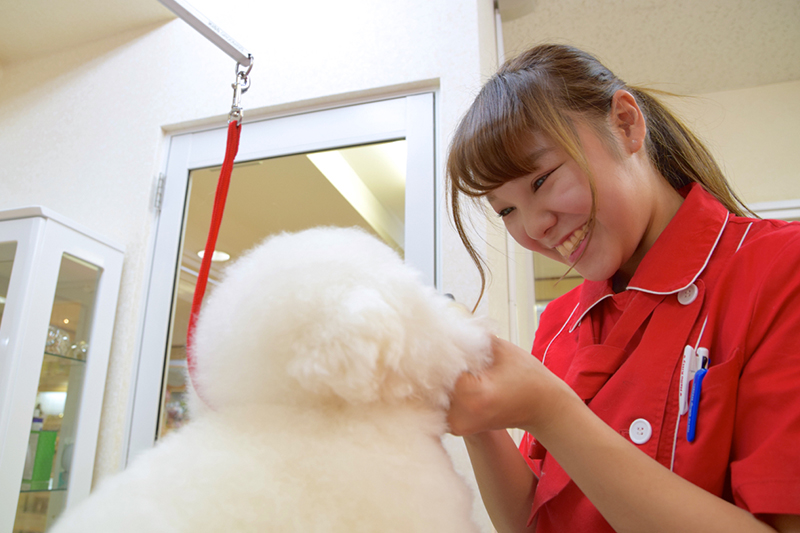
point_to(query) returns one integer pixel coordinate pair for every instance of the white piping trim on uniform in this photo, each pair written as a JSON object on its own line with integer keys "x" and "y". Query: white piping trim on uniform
{"x": 744, "y": 236}
{"x": 578, "y": 321}
{"x": 700, "y": 337}
{"x": 697, "y": 275}
{"x": 559, "y": 332}
{"x": 702, "y": 330}
{"x": 675, "y": 443}
{"x": 705, "y": 264}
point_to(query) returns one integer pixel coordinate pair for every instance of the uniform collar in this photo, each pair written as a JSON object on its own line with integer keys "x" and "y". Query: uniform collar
{"x": 670, "y": 265}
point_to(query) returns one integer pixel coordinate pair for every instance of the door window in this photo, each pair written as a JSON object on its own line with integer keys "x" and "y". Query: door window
{"x": 356, "y": 186}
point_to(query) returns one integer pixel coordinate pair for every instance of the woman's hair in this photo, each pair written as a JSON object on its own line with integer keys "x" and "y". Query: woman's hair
{"x": 544, "y": 91}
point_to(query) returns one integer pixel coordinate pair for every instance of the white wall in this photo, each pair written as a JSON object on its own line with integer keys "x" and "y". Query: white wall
{"x": 83, "y": 131}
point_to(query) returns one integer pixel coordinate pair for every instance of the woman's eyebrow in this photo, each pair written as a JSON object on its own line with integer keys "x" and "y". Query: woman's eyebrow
{"x": 532, "y": 164}
{"x": 533, "y": 158}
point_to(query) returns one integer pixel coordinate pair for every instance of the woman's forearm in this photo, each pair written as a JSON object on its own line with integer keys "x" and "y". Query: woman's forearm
{"x": 505, "y": 481}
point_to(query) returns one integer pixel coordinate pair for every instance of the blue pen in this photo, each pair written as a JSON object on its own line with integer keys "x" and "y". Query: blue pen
{"x": 694, "y": 402}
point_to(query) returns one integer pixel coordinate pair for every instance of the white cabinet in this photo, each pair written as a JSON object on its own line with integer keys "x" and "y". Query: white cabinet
{"x": 58, "y": 295}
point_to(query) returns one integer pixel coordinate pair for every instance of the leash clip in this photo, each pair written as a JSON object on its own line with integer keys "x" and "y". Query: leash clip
{"x": 240, "y": 86}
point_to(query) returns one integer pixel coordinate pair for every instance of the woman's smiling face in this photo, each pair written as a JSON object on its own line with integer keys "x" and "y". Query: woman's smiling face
{"x": 549, "y": 210}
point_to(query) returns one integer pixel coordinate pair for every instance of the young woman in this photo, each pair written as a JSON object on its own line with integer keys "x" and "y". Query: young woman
{"x": 663, "y": 395}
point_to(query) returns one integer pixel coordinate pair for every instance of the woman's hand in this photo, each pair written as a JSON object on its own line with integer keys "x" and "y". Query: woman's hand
{"x": 517, "y": 391}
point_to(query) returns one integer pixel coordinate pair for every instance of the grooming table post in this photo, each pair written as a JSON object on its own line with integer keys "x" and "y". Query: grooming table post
{"x": 209, "y": 30}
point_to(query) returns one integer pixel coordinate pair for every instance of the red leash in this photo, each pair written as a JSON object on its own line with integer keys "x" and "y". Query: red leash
{"x": 240, "y": 86}
{"x": 234, "y": 130}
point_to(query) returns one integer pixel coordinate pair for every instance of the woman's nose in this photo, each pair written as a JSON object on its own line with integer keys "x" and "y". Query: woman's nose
{"x": 537, "y": 225}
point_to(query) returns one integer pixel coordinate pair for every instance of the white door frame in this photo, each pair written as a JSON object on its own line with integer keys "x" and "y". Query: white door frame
{"x": 408, "y": 117}
{"x": 781, "y": 209}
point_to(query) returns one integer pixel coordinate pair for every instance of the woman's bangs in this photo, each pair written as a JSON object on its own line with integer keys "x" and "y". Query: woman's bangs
{"x": 495, "y": 153}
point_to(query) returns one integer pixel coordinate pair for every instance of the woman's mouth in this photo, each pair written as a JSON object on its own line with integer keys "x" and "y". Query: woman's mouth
{"x": 573, "y": 246}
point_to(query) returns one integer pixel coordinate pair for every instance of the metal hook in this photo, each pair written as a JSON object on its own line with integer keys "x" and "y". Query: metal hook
{"x": 249, "y": 67}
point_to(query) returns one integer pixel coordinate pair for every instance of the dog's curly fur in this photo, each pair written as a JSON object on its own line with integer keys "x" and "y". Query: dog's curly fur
{"x": 323, "y": 367}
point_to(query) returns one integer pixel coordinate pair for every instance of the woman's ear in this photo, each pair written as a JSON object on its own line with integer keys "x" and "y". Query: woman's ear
{"x": 628, "y": 121}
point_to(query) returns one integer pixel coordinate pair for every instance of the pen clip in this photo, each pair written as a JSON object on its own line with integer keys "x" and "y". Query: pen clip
{"x": 701, "y": 360}
{"x": 683, "y": 391}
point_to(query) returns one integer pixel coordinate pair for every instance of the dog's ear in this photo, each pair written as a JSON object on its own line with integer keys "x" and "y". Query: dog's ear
{"x": 390, "y": 343}
{"x": 353, "y": 353}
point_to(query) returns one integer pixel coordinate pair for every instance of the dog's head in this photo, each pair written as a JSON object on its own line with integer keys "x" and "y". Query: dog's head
{"x": 331, "y": 314}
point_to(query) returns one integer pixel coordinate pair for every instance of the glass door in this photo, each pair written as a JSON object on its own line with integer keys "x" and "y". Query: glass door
{"x": 7, "y": 251}
{"x": 54, "y": 420}
{"x": 370, "y": 165}
{"x": 356, "y": 186}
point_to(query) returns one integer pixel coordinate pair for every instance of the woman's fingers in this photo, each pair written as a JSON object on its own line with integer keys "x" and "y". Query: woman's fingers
{"x": 515, "y": 391}
{"x": 485, "y": 401}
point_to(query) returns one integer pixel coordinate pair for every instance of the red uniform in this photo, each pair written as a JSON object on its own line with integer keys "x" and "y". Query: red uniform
{"x": 712, "y": 280}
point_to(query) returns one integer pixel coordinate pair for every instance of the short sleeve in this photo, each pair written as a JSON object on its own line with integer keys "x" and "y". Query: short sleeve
{"x": 765, "y": 456}
{"x": 551, "y": 324}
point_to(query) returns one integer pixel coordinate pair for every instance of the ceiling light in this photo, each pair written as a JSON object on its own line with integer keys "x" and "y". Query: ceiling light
{"x": 217, "y": 257}
{"x": 341, "y": 175}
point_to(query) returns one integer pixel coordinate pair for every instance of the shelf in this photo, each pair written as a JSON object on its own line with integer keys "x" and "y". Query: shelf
{"x": 31, "y": 491}
{"x": 60, "y": 373}
{"x": 65, "y": 357}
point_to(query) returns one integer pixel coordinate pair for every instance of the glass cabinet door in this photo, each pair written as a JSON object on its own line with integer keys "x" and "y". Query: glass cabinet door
{"x": 54, "y": 419}
{"x": 7, "y": 250}
{"x": 59, "y": 286}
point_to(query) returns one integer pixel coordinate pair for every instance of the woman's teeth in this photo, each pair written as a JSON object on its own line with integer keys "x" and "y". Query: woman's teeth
{"x": 567, "y": 247}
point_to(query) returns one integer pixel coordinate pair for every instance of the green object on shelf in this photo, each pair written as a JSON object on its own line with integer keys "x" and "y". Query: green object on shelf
{"x": 45, "y": 450}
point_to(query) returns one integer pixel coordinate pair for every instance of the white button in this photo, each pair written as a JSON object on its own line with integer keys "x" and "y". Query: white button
{"x": 640, "y": 431}
{"x": 688, "y": 295}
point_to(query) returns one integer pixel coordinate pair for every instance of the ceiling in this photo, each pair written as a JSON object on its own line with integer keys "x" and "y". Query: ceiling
{"x": 34, "y": 28}
{"x": 699, "y": 46}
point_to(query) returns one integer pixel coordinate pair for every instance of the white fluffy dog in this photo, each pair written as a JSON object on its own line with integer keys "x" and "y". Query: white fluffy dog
{"x": 323, "y": 367}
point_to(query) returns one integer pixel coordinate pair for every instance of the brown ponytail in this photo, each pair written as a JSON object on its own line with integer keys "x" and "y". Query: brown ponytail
{"x": 679, "y": 155}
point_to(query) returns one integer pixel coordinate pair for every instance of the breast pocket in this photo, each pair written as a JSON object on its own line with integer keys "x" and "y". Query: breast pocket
{"x": 705, "y": 461}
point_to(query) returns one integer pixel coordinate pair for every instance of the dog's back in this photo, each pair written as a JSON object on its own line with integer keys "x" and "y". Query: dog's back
{"x": 286, "y": 469}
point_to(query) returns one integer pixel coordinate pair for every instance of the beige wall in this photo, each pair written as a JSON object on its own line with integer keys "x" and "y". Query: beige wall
{"x": 755, "y": 135}
{"x": 82, "y": 131}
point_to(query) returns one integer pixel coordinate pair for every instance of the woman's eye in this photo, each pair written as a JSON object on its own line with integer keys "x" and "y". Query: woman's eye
{"x": 540, "y": 181}
{"x": 504, "y": 212}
